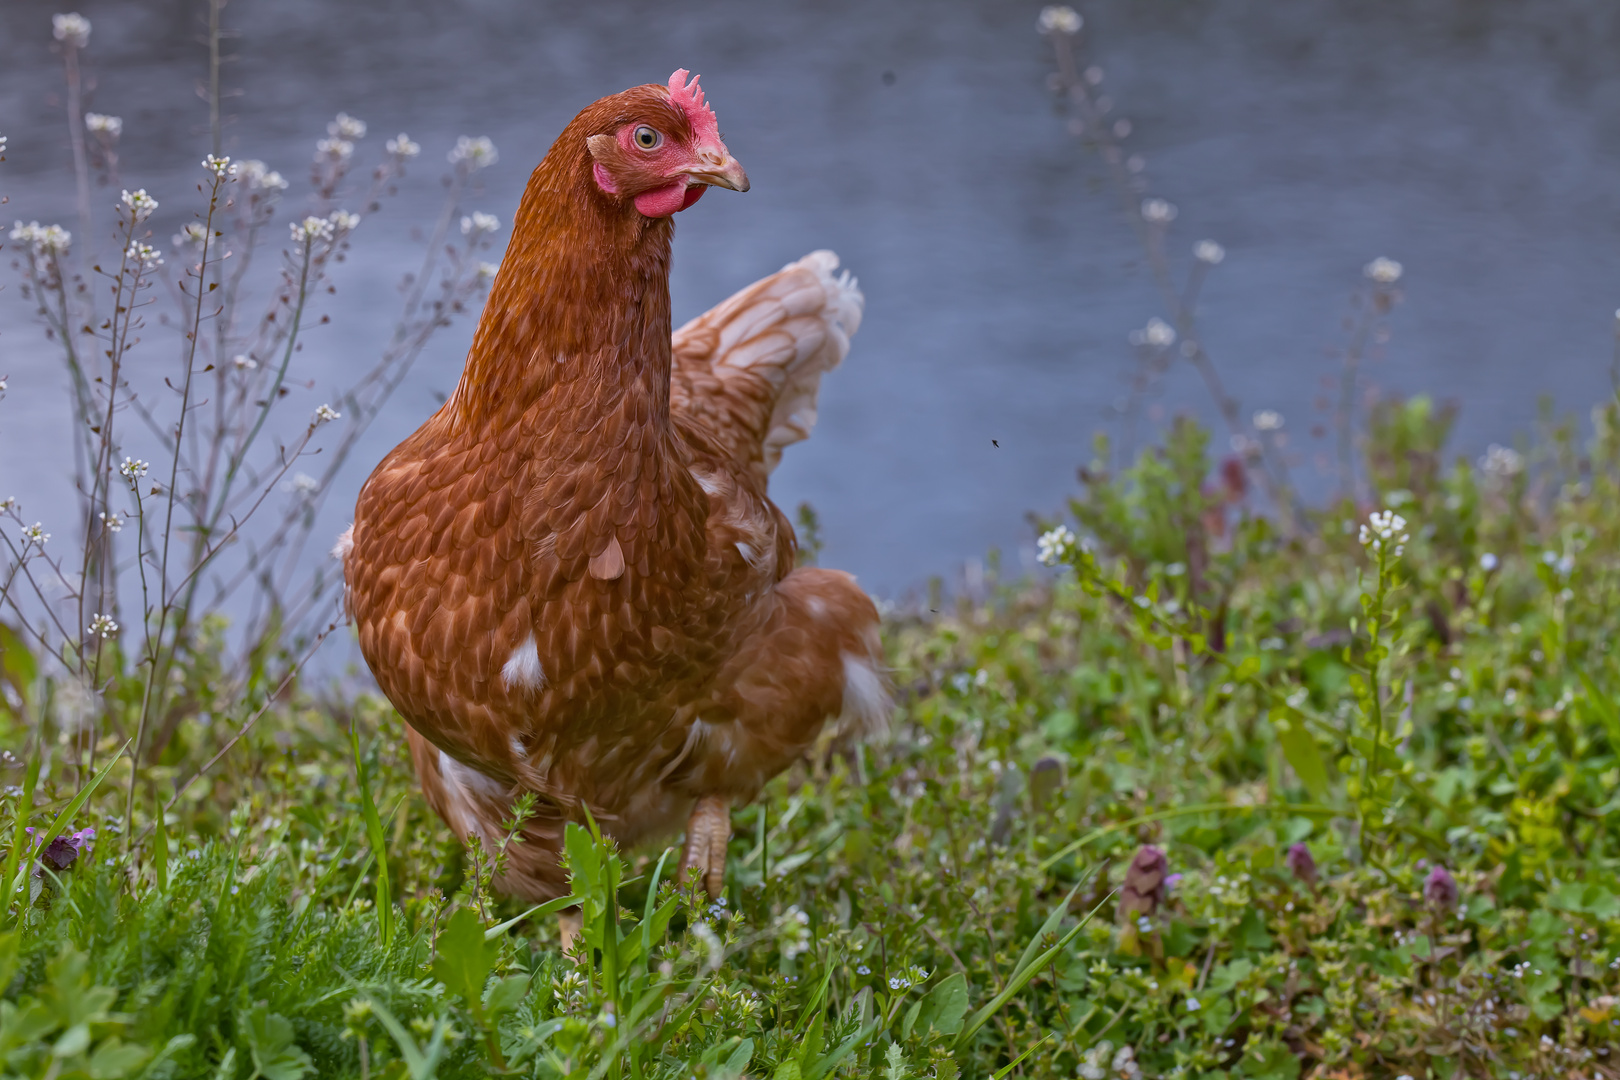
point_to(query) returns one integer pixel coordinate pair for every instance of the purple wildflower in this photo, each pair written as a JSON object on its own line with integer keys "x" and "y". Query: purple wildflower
{"x": 1440, "y": 888}
{"x": 1300, "y": 862}
{"x": 1144, "y": 886}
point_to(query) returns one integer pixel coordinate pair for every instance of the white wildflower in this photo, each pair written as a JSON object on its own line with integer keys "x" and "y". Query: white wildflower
{"x": 343, "y": 221}
{"x": 193, "y": 234}
{"x": 1489, "y": 562}
{"x": 303, "y": 484}
{"x": 310, "y": 229}
{"x": 221, "y": 167}
{"x": 479, "y": 223}
{"x": 710, "y": 942}
{"x": 36, "y": 534}
{"x": 1208, "y": 251}
{"x": 113, "y": 522}
{"x": 1158, "y": 211}
{"x": 1157, "y": 333}
{"x": 1385, "y": 528}
{"x": 71, "y": 29}
{"x": 259, "y": 176}
{"x": 402, "y": 146}
{"x": 102, "y": 124}
{"x": 44, "y": 239}
{"x": 132, "y": 470}
{"x": 1092, "y": 1065}
{"x": 1059, "y": 19}
{"x": 346, "y": 127}
{"x": 139, "y": 204}
{"x": 1383, "y": 271}
{"x": 338, "y": 150}
{"x": 145, "y": 254}
{"x": 479, "y": 153}
{"x": 1192, "y": 1005}
{"x": 1124, "y": 1064}
{"x": 486, "y": 270}
{"x": 9, "y": 503}
{"x": 102, "y": 626}
{"x": 243, "y": 362}
{"x": 2, "y": 144}
{"x": 325, "y": 413}
{"x": 1501, "y": 462}
{"x": 1054, "y": 545}
{"x": 1268, "y": 420}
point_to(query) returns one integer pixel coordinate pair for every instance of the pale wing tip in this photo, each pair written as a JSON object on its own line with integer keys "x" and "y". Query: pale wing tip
{"x": 843, "y": 288}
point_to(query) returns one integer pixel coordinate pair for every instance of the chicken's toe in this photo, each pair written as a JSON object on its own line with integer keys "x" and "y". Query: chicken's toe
{"x": 569, "y": 923}
{"x": 708, "y": 831}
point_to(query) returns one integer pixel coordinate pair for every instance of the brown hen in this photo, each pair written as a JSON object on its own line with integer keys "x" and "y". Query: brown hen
{"x": 571, "y": 580}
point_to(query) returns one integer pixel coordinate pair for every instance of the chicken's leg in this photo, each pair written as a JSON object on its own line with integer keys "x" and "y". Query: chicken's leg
{"x": 569, "y": 923}
{"x": 708, "y": 831}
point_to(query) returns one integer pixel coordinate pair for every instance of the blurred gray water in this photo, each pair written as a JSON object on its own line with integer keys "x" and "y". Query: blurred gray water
{"x": 1476, "y": 141}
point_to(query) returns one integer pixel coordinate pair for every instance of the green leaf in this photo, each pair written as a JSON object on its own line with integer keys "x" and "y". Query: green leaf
{"x": 945, "y": 1005}
{"x": 65, "y": 817}
{"x": 462, "y": 959}
{"x": 379, "y": 846}
{"x": 546, "y": 908}
{"x": 160, "y": 851}
{"x": 275, "y": 1053}
{"x": 1300, "y": 749}
{"x": 505, "y": 995}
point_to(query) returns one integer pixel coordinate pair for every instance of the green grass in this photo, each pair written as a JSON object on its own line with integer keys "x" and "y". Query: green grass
{"x": 970, "y": 897}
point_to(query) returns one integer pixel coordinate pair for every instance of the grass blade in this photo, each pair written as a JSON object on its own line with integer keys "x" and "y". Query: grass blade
{"x": 379, "y": 848}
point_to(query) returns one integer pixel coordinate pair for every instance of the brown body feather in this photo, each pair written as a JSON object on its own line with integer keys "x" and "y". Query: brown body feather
{"x": 570, "y": 580}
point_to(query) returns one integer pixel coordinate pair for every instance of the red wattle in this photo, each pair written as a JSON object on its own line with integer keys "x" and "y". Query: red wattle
{"x": 693, "y": 194}
{"x": 664, "y": 201}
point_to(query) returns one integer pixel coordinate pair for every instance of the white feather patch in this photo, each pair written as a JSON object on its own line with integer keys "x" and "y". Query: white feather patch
{"x": 469, "y": 779}
{"x": 866, "y": 699}
{"x": 522, "y": 669}
{"x": 344, "y": 545}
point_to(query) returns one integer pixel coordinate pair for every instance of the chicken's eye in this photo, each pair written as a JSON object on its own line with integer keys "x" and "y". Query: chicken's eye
{"x": 647, "y": 138}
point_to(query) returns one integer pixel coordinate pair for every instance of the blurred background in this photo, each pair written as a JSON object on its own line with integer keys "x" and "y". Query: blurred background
{"x": 1474, "y": 141}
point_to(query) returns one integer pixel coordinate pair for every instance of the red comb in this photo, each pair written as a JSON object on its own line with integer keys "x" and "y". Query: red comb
{"x": 689, "y": 98}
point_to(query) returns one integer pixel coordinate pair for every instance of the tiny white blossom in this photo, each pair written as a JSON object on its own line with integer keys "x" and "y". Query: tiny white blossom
{"x": 343, "y": 221}
{"x": 259, "y": 176}
{"x": 140, "y": 204}
{"x": 1268, "y": 420}
{"x": 1124, "y": 1064}
{"x": 1501, "y": 462}
{"x": 1385, "y": 528}
{"x": 401, "y": 145}
{"x": 1489, "y": 562}
{"x": 1158, "y": 211}
{"x": 310, "y": 229}
{"x": 44, "y": 239}
{"x": 1383, "y": 271}
{"x": 145, "y": 254}
{"x": 479, "y": 153}
{"x": 132, "y": 470}
{"x": 478, "y": 223}
{"x": 1192, "y": 1005}
{"x": 1054, "y": 545}
{"x": 304, "y": 484}
{"x": 113, "y": 522}
{"x": 1059, "y": 19}
{"x": 3, "y": 144}
{"x": 325, "y": 413}
{"x": 1208, "y": 251}
{"x": 102, "y": 626}
{"x": 102, "y": 124}
{"x": 346, "y": 127}
{"x": 8, "y": 503}
{"x": 71, "y": 29}
{"x": 334, "y": 149}
{"x": 193, "y": 234}
{"x": 219, "y": 166}
{"x": 486, "y": 270}
{"x": 244, "y": 362}
{"x": 36, "y": 534}
{"x": 1156, "y": 333}
{"x": 710, "y": 941}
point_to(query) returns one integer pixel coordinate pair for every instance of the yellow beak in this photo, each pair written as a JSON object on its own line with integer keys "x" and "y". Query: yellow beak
{"x": 721, "y": 171}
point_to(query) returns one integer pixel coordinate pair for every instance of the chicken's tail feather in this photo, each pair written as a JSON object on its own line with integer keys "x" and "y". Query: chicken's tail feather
{"x": 757, "y": 359}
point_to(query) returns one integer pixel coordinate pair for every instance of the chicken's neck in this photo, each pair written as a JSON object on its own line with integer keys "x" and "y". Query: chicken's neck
{"x": 574, "y": 343}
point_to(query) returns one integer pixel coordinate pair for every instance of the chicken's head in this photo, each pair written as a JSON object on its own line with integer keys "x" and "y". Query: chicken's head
{"x": 664, "y": 150}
